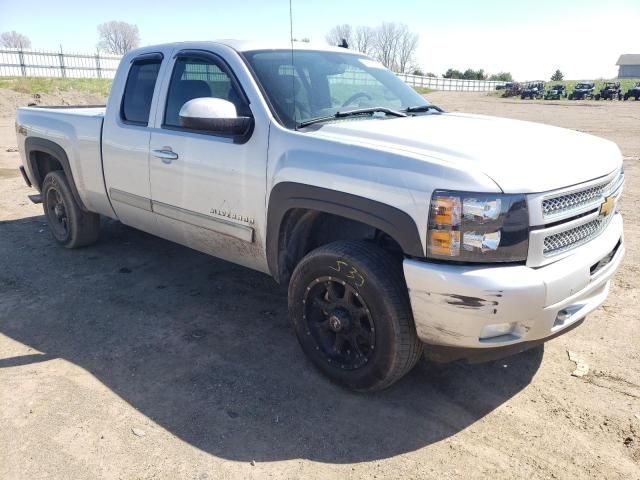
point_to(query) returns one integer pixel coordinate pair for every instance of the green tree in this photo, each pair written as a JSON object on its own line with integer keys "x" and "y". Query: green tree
{"x": 471, "y": 74}
{"x": 501, "y": 77}
{"x": 557, "y": 76}
{"x": 453, "y": 73}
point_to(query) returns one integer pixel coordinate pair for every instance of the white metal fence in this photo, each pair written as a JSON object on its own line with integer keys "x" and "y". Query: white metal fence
{"x": 439, "y": 83}
{"x": 34, "y": 63}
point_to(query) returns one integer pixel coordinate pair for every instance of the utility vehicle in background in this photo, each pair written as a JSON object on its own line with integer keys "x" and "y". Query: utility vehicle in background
{"x": 583, "y": 91}
{"x": 633, "y": 92}
{"x": 512, "y": 89}
{"x": 609, "y": 91}
{"x": 556, "y": 92}
{"x": 532, "y": 90}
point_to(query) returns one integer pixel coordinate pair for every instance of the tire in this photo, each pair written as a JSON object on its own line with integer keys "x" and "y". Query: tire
{"x": 597, "y": 97}
{"x": 386, "y": 344}
{"x": 570, "y": 96}
{"x": 70, "y": 226}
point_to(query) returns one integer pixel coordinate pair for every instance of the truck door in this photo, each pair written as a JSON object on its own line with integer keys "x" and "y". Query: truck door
{"x": 125, "y": 141}
{"x": 208, "y": 191}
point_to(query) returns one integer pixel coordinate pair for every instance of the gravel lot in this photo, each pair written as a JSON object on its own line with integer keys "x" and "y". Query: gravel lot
{"x": 137, "y": 359}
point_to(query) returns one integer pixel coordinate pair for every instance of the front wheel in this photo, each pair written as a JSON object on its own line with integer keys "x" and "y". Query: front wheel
{"x": 70, "y": 226}
{"x": 350, "y": 308}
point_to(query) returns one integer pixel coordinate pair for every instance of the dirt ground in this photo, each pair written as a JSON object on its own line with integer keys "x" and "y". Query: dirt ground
{"x": 139, "y": 359}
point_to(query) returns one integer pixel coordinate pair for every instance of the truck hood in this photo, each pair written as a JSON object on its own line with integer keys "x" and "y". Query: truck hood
{"x": 521, "y": 157}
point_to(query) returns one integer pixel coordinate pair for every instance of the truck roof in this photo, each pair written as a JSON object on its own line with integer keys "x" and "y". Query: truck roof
{"x": 251, "y": 45}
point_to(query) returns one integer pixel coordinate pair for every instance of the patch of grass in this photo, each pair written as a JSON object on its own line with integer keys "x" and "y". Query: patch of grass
{"x": 423, "y": 90}
{"x": 31, "y": 85}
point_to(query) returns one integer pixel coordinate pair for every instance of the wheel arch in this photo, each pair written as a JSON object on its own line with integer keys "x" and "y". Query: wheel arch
{"x": 38, "y": 152}
{"x": 293, "y": 205}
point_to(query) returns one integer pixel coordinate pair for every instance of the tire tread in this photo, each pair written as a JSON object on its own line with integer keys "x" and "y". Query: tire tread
{"x": 382, "y": 264}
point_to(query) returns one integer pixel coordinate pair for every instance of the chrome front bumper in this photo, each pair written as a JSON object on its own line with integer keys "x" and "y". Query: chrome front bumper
{"x": 453, "y": 305}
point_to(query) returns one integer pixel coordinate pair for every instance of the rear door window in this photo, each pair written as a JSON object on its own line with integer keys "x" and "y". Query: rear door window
{"x": 138, "y": 92}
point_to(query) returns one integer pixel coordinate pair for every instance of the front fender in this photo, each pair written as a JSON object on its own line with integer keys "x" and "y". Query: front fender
{"x": 286, "y": 196}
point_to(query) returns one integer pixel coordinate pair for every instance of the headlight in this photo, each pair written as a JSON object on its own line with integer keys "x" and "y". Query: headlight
{"x": 478, "y": 227}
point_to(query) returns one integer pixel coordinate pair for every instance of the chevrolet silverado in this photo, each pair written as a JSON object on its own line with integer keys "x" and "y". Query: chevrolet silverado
{"x": 399, "y": 228}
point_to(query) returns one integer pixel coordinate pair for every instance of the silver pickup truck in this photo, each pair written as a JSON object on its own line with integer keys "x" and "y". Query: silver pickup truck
{"x": 398, "y": 227}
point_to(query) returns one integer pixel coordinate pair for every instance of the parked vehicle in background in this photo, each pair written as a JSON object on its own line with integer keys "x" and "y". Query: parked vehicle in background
{"x": 512, "y": 89}
{"x": 397, "y": 227}
{"x": 610, "y": 91}
{"x": 582, "y": 91}
{"x": 532, "y": 90}
{"x": 556, "y": 92}
{"x": 633, "y": 92}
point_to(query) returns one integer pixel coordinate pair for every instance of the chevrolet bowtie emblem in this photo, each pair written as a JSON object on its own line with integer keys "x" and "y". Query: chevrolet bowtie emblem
{"x": 607, "y": 206}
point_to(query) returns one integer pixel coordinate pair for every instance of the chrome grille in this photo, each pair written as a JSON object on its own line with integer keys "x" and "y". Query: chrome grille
{"x": 574, "y": 237}
{"x": 570, "y": 201}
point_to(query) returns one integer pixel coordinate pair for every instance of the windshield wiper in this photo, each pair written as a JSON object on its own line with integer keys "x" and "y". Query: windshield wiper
{"x": 351, "y": 113}
{"x": 361, "y": 111}
{"x": 423, "y": 108}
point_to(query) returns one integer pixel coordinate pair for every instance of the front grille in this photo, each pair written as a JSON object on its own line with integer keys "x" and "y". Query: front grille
{"x": 574, "y": 237}
{"x": 569, "y": 218}
{"x": 570, "y": 201}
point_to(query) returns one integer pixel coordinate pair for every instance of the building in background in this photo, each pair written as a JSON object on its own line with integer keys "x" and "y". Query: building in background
{"x": 629, "y": 66}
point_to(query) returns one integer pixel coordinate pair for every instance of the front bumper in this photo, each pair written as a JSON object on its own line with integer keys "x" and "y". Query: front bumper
{"x": 453, "y": 305}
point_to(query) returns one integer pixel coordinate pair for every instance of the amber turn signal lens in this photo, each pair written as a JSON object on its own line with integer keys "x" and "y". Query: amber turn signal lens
{"x": 445, "y": 242}
{"x": 446, "y": 211}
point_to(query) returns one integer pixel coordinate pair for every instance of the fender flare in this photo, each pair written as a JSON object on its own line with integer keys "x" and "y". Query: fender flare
{"x": 33, "y": 145}
{"x": 286, "y": 196}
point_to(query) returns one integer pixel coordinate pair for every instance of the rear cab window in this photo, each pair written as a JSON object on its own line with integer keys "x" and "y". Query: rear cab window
{"x": 138, "y": 91}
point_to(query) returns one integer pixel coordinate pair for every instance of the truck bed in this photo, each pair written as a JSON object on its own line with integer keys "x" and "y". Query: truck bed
{"x": 83, "y": 110}
{"x": 77, "y": 129}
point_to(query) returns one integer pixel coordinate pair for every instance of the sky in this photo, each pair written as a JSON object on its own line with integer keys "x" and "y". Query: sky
{"x": 531, "y": 39}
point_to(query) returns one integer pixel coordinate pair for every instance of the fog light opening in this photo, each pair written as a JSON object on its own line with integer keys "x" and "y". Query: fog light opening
{"x": 562, "y": 317}
{"x": 496, "y": 330}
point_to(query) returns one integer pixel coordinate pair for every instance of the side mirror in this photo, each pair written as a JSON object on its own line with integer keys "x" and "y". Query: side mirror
{"x": 213, "y": 115}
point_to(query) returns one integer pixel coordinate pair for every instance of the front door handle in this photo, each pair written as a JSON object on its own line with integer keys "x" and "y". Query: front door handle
{"x": 165, "y": 154}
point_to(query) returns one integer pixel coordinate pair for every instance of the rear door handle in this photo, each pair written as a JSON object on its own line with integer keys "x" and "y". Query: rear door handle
{"x": 166, "y": 154}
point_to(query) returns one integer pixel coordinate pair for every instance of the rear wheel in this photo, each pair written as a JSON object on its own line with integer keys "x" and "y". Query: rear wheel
{"x": 350, "y": 309}
{"x": 70, "y": 226}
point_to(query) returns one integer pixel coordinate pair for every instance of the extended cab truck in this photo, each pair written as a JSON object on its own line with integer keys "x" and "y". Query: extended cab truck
{"x": 398, "y": 227}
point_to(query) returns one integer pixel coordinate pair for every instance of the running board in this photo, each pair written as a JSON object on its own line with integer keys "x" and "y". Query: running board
{"x": 35, "y": 198}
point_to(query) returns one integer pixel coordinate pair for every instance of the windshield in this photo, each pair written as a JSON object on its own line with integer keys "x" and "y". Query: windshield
{"x": 321, "y": 84}
{"x": 583, "y": 85}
